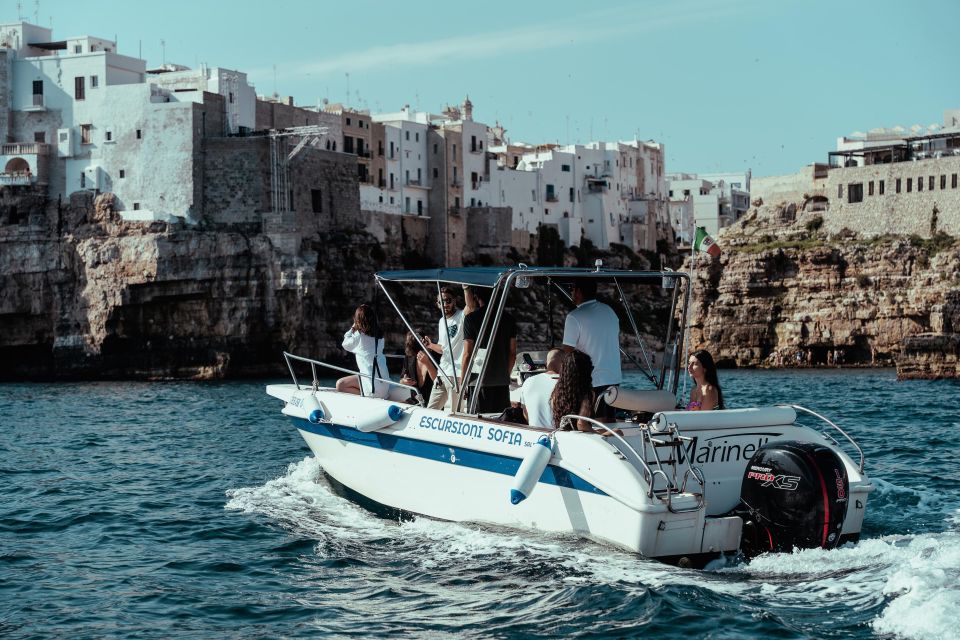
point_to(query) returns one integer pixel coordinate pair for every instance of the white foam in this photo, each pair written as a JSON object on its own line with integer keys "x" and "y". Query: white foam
{"x": 913, "y": 580}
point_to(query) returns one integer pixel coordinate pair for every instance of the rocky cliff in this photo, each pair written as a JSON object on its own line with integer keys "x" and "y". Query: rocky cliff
{"x": 99, "y": 297}
{"x": 784, "y": 292}
{"x": 84, "y": 294}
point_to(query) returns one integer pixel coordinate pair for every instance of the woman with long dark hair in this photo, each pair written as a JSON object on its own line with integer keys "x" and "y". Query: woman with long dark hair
{"x": 573, "y": 393}
{"x": 418, "y": 370}
{"x": 364, "y": 341}
{"x": 706, "y": 394}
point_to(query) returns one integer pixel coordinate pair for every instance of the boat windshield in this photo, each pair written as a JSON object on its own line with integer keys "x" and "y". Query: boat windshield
{"x": 534, "y": 302}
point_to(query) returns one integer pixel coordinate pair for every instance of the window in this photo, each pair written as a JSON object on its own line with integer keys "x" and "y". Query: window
{"x": 108, "y": 136}
{"x": 419, "y": 176}
{"x": 533, "y": 194}
{"x": 436, "y": 173}
{"x": 95, "y": 82}
{"x": 898, "y": 185}
{"x": 316, "y": 200}
{"x": 406, "y": 208}
{"x": 881, "y": 185}
{"x": 565, "y": 167}
{"x": 551, "y": 197}
{"x": 140, "y": 135}
{"x": 930, "y": 183}
{"x": 123, "y": 174}
{"x": 919, "y": 183}
{"x": 39, "y": 136}
{"x": 571, "y": 195}
{"x": 943, "y": 181}
{"x": 909, "y": 185}
{"x": 434, "y": 148}
{"x": 408, "y": 134}
{"x": 38, "y": 93}
{"x": 417, "y": 137}
{"x": 870, "y": 188}
{"x": 419, "y": 207}
{"x": 839, "y": 191}
{"x": 230, "y": 97}
{"x": 454, "y": 149}
{"x": 953, "y": 181}
{"x": 78, "y": 48}
{"x": 136, "y": 206}
{"x": 85, "y": 133}
{"x": 473, "y": 143}
{"x": 456, "y": 202}
{"x": 79, "y": 88}
{"x": 83, "y": 180}
{"x": 391, "y": 148}
{"x": 348, "y": 122}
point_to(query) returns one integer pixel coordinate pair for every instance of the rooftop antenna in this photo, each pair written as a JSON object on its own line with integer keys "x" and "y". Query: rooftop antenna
{"x": 347, "y": 73}
{"x": 275, "y": 94}
{"x": 163, "y": 50}
{"x": 36, "y": 11}
{"x": 19, "y": 10}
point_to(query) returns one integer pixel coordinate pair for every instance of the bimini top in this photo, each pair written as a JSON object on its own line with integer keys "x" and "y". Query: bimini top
{"x": 489, "y": 276}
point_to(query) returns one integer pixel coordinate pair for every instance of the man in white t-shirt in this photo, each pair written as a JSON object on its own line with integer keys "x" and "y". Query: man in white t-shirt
{"x": 536, "y": 391}
{"x": 594, "y": 328}
{"x": 449, "y": 345}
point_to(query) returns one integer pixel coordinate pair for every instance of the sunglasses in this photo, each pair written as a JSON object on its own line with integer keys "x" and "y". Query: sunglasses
{"x": 444, "y": 301}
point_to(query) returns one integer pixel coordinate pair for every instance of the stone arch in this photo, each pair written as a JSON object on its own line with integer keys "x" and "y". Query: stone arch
{"x": 817, "y": 203}
{"x": 17, "y": 165}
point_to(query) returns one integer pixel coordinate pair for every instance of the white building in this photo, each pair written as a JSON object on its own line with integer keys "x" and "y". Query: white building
{"x": 86, "y": 115}
{"x": 407, "y": 182}
{"x": 709, "y": 200}
{"x": 239, "y": 96}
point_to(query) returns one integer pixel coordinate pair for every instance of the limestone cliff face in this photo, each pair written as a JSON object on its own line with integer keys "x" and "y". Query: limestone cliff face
{"x": 105, "y": 298}
{"x": 783, "y": 292}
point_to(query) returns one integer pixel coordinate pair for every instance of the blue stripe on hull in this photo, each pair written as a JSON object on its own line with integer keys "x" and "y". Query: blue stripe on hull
{"x": 481, "y": 460}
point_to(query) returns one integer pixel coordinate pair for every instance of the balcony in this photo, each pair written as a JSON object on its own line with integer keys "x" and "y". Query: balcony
{"x": 15, "y": 179}
{"x": 24, "y": 149}
{"x": 417, "y": 184}
{"x": 551, "y": 198}
{"x": 363, "y": 154}
{"x": 456, "y": 183}
{"x": 37, "y": 104}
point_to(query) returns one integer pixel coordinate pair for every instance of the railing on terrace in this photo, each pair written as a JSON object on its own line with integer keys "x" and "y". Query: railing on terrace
{"x": 15, "y": 179}
{"x": 24, "y": 148}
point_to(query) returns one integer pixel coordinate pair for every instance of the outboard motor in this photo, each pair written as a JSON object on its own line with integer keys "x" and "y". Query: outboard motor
{"x": 793, "y": 495}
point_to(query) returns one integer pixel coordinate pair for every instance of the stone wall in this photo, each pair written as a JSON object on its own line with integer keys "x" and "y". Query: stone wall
{"x": 918, "y": 211}
{"x": 488, "y": 234}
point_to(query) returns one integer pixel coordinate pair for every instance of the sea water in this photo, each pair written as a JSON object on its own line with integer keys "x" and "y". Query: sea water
{"x": 194, "y": 509}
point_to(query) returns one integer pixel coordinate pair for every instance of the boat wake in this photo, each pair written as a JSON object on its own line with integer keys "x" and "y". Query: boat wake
{"x": 907, "y": 586}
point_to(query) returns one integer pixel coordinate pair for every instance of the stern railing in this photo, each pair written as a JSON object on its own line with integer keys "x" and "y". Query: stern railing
{"x": 316, "y": 382}
{"x": 856, "y": 446}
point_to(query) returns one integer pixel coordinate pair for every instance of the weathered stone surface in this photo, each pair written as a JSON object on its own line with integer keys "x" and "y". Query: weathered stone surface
{"x": 786, "y": 293}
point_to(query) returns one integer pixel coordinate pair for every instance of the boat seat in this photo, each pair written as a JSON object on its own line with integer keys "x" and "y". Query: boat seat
{"x": 645, "y": 401}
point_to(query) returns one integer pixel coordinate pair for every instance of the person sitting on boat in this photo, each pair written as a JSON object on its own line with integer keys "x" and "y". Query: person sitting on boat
{"x": 418, "y": 370}
{"x": 574, "y": 394}
{"x": 593, "y": 327}
{"x": 363, "y": 339}
{"x": 706, "y": 394}
{"x": 536, "y": 391}
{"x": 501, "y": 352}
{"x": 449, "y": 345}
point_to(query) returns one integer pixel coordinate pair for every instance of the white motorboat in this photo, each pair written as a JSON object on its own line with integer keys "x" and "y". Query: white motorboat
{"x": 676, "y": 485}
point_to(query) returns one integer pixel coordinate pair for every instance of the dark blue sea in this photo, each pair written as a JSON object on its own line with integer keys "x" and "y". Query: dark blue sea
{"x": 153, "y": 510}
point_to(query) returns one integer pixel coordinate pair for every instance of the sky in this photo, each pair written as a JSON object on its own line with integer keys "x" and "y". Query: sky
{"x": 765, "y": 85}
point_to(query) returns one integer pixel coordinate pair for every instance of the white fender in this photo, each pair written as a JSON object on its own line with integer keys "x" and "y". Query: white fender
{"x": 313, "y": 410}
{"x": 379, "y": 419}
{"x": 530, "y": 470}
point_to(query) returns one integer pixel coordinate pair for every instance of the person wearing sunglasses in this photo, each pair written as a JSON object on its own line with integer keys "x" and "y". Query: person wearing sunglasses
{"x": 449, "y": 345}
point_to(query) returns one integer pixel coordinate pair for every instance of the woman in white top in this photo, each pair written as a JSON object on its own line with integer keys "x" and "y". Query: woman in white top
{"x": 368, "y": 349}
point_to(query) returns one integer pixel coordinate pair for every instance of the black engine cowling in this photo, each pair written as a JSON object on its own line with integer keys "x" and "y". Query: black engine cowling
{"x": 793, "y": 495}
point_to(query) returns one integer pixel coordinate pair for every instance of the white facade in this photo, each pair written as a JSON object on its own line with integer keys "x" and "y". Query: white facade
{"x": 407, "y": 180}
{"x": 239, "y": 96}
{"x": 105, "y": 127}
{"x": 709, "y": 200}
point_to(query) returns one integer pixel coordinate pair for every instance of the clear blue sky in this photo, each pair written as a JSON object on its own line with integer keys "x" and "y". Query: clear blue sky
{"x": 761, "y": 84}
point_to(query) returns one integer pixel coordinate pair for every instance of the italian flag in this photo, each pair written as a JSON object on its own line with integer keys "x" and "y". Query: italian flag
{"x": 703, "y": 242}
